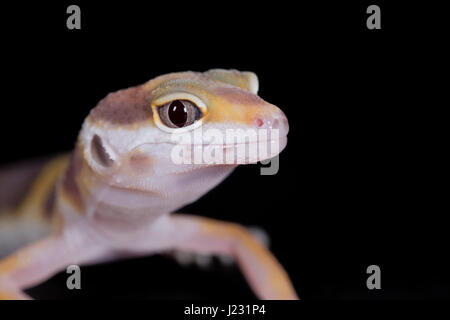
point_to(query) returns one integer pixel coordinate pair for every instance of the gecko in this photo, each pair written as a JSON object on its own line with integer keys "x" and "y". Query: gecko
{"x": 116, "y": 194}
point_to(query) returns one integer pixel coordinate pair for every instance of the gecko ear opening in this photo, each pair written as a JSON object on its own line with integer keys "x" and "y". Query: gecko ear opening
{"x": 99, "y": 153}
{"x": 246, "y": 80}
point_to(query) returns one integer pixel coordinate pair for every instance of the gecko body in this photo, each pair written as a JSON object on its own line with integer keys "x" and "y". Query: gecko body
{"x": 116, "y": 194}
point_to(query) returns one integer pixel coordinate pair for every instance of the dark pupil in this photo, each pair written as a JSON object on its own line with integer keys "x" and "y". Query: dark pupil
{"x": 178, "y": 113}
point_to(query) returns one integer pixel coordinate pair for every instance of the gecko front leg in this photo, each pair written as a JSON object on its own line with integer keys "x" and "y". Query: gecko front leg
{"x": 263, "y": 272}
{"x": 39, "y": 261}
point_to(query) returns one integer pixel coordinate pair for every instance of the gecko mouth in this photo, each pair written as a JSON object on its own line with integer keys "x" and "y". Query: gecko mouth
{"x": 252, "y": 152}
{"x": 228, "y": 154}
{"x": 206, "y": 154}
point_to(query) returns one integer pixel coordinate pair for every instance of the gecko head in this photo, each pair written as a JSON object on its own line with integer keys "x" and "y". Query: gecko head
{"x": 183, "y": 122}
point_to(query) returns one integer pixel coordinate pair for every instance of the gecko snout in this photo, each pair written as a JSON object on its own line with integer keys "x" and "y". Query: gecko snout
{"x": 274, "y": 121}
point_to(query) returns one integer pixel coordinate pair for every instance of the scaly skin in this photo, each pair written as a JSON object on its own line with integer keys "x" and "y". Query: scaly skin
{"x": 118, "y": 189}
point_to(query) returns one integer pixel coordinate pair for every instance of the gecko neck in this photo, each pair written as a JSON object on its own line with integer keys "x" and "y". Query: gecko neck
{"x": 116, "y": 209}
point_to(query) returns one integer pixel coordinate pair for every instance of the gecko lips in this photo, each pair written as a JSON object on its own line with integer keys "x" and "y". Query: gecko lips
{"x": 235, "y": 149}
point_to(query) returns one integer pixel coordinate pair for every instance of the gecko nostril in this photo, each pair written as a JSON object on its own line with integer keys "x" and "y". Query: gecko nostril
{"x": 259, "y": 123}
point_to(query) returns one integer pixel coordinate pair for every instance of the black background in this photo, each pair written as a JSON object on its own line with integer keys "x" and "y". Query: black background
{"x": 359, "y": 182}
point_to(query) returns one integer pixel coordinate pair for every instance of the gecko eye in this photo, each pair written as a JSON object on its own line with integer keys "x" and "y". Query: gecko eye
{"x": 179, "y": 113}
